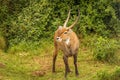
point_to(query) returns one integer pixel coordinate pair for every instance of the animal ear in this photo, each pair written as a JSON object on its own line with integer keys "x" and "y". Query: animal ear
{"x": 60, "y": 27}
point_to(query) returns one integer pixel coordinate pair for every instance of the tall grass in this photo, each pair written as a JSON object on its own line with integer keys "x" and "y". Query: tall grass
{"x": 2, "y": 43}
{"x": 31, "y": 47}
{"x": 105, "y": 75}
{"x": 103, "y": 49}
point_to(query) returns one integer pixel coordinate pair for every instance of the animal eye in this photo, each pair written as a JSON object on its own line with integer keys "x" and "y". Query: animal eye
{"x": 65, "y": 32}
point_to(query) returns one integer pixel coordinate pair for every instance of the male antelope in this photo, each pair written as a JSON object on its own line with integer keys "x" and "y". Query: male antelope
{"x": 67, "y": 41}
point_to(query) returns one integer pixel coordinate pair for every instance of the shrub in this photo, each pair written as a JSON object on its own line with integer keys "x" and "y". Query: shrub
{"x": 37, "y": 19}
{"x": 104, "y": 49}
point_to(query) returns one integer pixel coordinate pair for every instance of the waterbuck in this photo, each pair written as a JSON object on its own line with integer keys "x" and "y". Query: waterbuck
{"x": 67, "y": 41}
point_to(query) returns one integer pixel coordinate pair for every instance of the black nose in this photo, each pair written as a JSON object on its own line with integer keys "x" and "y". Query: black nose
{"x": 57, "y": 38}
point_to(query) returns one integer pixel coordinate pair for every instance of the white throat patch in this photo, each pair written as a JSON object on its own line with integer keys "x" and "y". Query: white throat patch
{"x": 67, "y": 41}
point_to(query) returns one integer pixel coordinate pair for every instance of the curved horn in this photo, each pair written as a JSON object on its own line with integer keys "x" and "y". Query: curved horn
{"x": 75, "y": 20}
{"x": 67, "y": 19}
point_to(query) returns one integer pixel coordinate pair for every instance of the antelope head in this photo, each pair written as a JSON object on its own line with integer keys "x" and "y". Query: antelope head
{"x": 64, "y": 32}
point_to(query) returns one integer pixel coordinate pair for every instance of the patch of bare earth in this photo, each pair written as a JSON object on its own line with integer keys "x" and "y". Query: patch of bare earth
{"x": 45, "y": 65}
{"x": 1, "y": 77}
{"x": 2, "y": 65}
{"x": 38, "y": 73}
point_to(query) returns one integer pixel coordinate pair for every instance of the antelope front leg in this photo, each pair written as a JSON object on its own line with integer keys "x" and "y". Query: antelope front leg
{"x": 65, "y": 58}
{"x": 54, "y": 59}
{"x": 75, "y": 63}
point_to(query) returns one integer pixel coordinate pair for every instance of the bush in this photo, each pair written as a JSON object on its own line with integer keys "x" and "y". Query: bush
{"x": 33, "y": 20}
{"x": 31, "y": 24}
{"x": 104, "y": 49}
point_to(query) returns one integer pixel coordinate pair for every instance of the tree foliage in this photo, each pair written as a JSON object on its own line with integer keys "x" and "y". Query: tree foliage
{"x": 32, "y": 20}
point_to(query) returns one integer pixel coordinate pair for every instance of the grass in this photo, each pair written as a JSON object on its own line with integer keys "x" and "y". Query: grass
{"x": 37, "y": 65}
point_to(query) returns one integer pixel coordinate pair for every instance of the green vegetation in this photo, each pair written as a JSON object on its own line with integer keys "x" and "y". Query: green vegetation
{"x": 25, "y": 20}
{"x": 2, "y": 43}
{"x": 26, "y": 39}
{"x": 105, "y": 49}
{"x": 105, "y": 75}
{"x": 37, "y": 64}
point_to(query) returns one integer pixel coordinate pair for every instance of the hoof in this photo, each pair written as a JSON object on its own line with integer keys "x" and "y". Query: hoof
{"x": 69, "y": 71}
{"x": 53, "y": 71}
{"x": 77, "y": 74}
